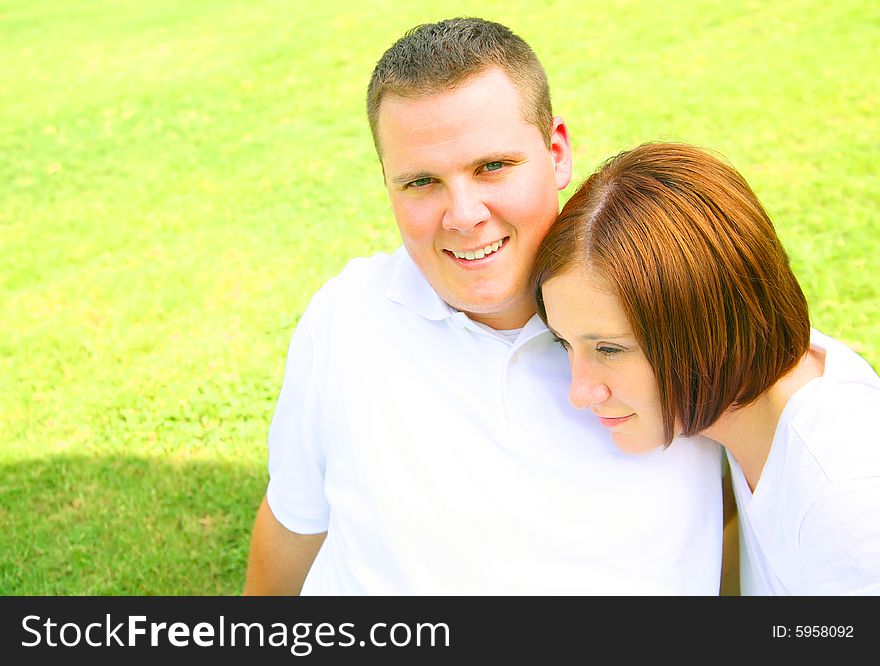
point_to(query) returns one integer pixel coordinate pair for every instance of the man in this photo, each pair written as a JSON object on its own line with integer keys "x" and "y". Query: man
{"x": 423, "y": 442}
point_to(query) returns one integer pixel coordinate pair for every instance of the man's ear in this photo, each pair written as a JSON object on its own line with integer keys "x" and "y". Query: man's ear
{"x": 560, "y": 148}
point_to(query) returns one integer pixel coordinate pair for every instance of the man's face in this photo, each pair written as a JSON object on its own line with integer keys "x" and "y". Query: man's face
{"x": 474, "y": 189}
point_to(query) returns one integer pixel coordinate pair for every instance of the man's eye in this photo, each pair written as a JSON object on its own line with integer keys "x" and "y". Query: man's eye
{"x": 421, "y": 182}
{"x": 494, "y": 166}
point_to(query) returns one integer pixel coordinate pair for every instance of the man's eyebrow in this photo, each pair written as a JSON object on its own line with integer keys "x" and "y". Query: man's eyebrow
{"x": 409, "y": 176}
{"x": 510, "y": 156}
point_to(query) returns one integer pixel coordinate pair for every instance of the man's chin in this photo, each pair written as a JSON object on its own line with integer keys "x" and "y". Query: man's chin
{"x": 501, "y": 313}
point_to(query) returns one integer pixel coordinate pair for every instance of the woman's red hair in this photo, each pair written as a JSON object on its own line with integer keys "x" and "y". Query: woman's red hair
{"x": 700, "y": 273}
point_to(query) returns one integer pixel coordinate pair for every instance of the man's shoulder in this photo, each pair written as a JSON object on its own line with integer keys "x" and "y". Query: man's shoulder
{"x": 362, "y": 279}
{"x": 383, "y": 286}
{"x": 366, "y": 272}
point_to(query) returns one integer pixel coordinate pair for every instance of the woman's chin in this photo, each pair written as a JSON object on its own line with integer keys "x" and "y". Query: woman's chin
{"x": 634, "y": 445}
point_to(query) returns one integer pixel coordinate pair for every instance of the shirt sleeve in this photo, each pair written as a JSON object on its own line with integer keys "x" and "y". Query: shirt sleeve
{"x": 296, "y": 458}
{"x": 840, "y": 540}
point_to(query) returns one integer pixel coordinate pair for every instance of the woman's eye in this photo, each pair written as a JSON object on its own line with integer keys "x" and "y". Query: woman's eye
{"x": 608, "y": 351}
{"x": 561, "y": 342}
{"x": 494, "y": 166}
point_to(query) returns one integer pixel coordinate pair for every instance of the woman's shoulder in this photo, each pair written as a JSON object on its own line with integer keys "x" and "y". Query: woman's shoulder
{"x": 837, "y": 418}
{"x": 843, "y": 366}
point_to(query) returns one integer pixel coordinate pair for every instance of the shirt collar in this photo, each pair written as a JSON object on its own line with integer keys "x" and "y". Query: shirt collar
{"x": 410, "y": 289}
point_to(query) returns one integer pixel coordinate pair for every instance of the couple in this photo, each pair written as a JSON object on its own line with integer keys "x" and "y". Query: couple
{"x": 427, "y": 438}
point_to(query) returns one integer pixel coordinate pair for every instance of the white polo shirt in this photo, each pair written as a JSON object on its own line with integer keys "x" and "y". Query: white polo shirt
{"x": 443, "y": 459}
{"x": 812, "y": 526}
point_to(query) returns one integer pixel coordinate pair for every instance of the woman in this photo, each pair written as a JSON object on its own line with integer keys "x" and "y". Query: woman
{"x": 664, "y": 279}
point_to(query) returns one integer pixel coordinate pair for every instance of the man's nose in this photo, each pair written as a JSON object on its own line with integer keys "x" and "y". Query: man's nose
{"x": 465, "y": 208}
{"x": 587, "y": 388}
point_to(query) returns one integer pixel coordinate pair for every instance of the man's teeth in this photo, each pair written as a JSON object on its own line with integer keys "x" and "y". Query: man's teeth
{"x": 470, "y": 255}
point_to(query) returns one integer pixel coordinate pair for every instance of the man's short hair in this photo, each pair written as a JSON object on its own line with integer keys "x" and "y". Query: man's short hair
{"x": 435, "y": 57}
{"x": 704, "y": 281}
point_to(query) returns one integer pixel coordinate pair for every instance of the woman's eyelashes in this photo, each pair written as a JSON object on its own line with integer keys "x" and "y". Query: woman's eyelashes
{"x": 603, "y": 349}
{"x": 562, "y": 343}
{"x": 608, "y": 351}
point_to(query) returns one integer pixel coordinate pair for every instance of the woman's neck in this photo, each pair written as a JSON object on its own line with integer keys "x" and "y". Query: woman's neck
{"x": 748, "y": 432}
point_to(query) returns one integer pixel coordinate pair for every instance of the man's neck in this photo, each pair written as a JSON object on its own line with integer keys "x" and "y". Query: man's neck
{"x": 504, "y": 321}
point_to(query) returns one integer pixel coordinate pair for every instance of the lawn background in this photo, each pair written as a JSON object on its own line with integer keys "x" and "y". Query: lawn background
{"x": 179, "y": 177}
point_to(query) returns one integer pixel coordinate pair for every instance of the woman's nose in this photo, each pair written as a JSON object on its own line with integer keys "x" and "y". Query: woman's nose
{"x": 587, "y": 388}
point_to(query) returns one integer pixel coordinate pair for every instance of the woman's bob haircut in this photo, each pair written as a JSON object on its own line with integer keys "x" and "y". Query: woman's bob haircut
{"x": 699, "y": 271}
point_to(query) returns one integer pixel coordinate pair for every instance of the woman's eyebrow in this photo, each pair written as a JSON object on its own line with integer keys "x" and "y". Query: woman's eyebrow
{"x": 596, "y": 336}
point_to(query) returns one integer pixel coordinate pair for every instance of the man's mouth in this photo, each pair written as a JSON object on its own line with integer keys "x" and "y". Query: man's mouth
{"x": 480, "y": 252}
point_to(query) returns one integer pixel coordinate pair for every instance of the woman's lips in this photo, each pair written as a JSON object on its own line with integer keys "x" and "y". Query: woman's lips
{"x": 614, "y": 421}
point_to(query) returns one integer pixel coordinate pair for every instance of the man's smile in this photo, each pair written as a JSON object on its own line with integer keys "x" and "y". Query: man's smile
{"x": 479, "y": 252}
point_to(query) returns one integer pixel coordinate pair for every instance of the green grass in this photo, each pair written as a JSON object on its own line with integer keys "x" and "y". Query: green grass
{"x": 179, "y": 178}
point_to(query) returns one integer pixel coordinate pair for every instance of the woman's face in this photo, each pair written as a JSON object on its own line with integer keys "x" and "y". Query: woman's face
{"x": 609, "y": 373}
